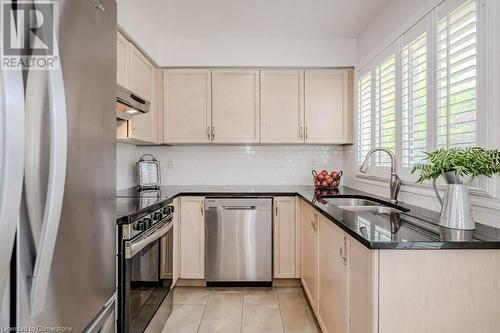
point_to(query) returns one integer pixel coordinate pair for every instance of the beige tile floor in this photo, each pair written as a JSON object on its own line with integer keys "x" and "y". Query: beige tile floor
{"x": 245, "y": 310}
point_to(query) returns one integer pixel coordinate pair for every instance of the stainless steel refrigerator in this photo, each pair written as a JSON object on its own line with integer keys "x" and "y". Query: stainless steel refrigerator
{"x": 57, "y": 178}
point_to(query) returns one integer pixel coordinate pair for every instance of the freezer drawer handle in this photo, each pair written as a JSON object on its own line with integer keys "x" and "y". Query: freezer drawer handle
{"x": 135, "y": 246}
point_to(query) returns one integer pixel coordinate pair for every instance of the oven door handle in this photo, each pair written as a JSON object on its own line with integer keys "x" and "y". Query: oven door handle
{"x": 133, "y": 247}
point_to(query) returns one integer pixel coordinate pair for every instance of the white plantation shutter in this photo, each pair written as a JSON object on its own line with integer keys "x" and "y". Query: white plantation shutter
{"x": 456, "y": 81}
{"x": 414, "y": 101}
{"x": 364, "y": 115}
{"x": 420, "y": 93}
{"x": 385, "y": 109}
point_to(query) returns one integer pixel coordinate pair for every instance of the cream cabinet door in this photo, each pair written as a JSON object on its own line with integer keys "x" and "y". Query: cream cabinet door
{"x": 363, "y": 264}
{"x": 282, "y": 106}
{"x": 327, "y": 106}
{"x": 187, "y": 105}
{"x": 235, "y": 113}
{"x": 122, "y": 60}
{"x": 145, "y": 125}
{"x": 333, "y": 278}
{"x": 284, "y": 237}
{"x": 309, "y": 274}
{"x": 192, "y": 238}
{"x": 141, "y": 74}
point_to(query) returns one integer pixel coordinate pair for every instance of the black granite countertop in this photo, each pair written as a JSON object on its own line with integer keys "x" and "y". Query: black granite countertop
{"x": 416, "y": 229}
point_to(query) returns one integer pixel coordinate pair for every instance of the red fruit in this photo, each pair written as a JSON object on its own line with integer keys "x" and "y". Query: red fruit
{"x": 324, "y": 183}
{"x": 324, "y": 173}
{"x": 334, "y": 174}
{"x": 329, "y": 180}
{"x": 320, "y": 177}
{"x": 335, "y": 183}
{"x": 317, "y": 183}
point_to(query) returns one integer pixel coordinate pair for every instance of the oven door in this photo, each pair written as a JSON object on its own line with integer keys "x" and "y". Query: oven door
{"x": 143, "y": 286}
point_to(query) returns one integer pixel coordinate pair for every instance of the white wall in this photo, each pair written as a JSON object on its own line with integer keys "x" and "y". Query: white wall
{"x": 258, "y": 52}
{"x": 255, "y": 33}
{"x": 397, "y": 17}
{"x": 233, "y": 165}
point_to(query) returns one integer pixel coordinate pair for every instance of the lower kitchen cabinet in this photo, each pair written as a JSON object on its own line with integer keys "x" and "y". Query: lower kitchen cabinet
{"x": 333, "y": 278}
{"x": 445, "y": 291}
{"x": 353, "y": 289}
{"x": 362, "y": 265}
{"x": 338, "y": 276}
{"x": 192, "y": 265}
{"x": 309, "y": 276}
{"x": 284, "y": 237}
{"x": 176, "y": 267}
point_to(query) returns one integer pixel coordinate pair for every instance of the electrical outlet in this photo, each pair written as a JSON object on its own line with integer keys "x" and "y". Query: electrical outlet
{"x": 171, "y": 163}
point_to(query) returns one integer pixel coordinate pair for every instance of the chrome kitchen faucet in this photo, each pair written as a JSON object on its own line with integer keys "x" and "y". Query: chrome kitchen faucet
{"x": 395, "y": 182}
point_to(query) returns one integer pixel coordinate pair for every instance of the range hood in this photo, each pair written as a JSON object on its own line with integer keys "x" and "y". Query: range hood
{"x": 129, "y": 104}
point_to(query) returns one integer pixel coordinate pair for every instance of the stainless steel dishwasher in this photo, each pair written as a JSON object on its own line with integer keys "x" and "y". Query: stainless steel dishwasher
{"x": 238, "y": 241}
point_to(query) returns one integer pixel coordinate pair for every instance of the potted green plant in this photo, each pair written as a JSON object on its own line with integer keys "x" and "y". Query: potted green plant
{"x": 455, "y": 165}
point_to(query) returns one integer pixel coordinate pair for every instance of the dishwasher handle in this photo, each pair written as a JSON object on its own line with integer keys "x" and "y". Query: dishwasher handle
{"x": 239, "y": 207}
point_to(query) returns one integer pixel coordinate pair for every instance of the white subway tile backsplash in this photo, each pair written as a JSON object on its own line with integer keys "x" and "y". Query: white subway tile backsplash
{"x": 234, "y": 165}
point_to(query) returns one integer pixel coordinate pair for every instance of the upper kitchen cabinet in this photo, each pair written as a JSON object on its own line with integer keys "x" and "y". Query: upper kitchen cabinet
{"x": 137, "y": 74}
{"x": 146, "y": 124}
{"x": 122, "y": 60}
{"x": 141, "y": 75}
{"x": 187, "y": 105}
{"x": 235, "y": 113}
{"x": 328, "y": 115}
{"x": 282, "y": 106}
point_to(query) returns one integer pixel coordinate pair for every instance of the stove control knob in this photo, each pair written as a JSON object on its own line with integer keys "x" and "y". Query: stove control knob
{"x": 157, "y": 216}
{"x": 168, "y": 210}
{"x": 140, "y": 226}
{"x": 147, "y": 222}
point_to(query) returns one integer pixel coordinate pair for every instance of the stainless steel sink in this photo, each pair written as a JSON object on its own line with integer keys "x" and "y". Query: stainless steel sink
{"x": 362, "y": 205}
{"x": 351, "y": 202}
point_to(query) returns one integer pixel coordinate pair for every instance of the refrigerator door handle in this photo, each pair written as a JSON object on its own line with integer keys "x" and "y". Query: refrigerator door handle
{"x": 12, "y": 164}
{"x": 55, "y": 187}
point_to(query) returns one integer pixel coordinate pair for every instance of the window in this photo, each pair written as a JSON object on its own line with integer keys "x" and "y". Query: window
{"x": 414, "y": 101}
{"x": 364, "y": 115}
{"x": 420, "y": 94}
{"x": 385, "y": 109}
{"x": 456, "y": 53}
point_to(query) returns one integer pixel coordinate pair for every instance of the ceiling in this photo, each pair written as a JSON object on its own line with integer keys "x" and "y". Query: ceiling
{"x": 251, "y": 18}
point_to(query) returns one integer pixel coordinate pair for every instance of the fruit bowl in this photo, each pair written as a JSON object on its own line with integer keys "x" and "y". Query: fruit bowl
{"x": 327, "y": 180}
